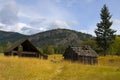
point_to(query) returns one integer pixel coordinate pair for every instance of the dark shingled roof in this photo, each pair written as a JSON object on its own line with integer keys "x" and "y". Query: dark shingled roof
{"x": 16, "y": 44}
{"x": 25, "y": 43}
{"x": 85, "y": 51}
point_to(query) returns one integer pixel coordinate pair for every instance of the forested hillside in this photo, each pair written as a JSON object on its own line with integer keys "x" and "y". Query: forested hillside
{"x": 6, "y": 37}
{"x": 49, "y": 41}
{"x": 57, "y": 37}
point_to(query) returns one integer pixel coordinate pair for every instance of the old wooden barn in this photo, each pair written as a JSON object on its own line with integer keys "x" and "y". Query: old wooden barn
{"x": 84, "y": 54}
{"x": 24, "y": 48}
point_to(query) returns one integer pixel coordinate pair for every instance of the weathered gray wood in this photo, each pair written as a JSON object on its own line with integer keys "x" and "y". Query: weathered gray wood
{"x": 83, "y": 54}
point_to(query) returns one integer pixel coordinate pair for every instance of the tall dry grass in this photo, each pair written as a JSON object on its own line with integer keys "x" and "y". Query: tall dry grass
{"x": 18, "y": 68}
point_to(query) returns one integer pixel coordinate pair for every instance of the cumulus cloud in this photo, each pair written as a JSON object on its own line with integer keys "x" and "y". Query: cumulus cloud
{"x": 9, "y": 20}
{"x": 74, "y": 22}
{"x": 22, "y": 28}
{"x": 44, "y": 24}
{"x": 116, "y": 25}
{"x": 83, "y": 31}
{"x": 29, "y": 31}
{"x": 58, "y": 24}
{"x": 41, "y": 24}
{"x": 8, "y": 14}
{"x": 1, "y": 25}
{"x": 24, "y": 21}
{"x": 40, "y": 18}
{"x": 35, "y": 27}
{"x": 88, "y": 31}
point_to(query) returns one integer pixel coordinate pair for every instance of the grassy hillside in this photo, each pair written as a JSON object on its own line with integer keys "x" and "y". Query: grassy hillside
{"x": 14, "y": 68}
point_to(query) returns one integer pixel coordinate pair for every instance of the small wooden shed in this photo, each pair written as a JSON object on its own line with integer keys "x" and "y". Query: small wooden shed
{"x": 84, "y": 54}
{"x": 28, "y": 50}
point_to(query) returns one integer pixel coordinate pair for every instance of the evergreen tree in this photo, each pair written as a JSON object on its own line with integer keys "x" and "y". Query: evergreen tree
{"x": 50, "y": 50}
{"x": 115, "y": 47}
{"x": 40, "y": 49}
{"x": 92, "y": 43}
{"x": 1, "y": 49}
{"x": 104, "y": 34}
{"x": 8, "y": 45}
{"x": 20, "y": 48}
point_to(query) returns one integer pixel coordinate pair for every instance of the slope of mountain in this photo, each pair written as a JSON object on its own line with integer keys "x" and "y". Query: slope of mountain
{"x": 59, "y": 37}
{"x": 10, "y": 37}
{"x": 56, "y": 37}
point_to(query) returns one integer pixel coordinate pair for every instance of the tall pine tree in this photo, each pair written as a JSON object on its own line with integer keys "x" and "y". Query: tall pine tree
{"x": 105, "y": 36}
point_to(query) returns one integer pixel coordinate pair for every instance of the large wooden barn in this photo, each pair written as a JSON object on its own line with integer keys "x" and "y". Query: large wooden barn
{"x": 24, "y": 48}
{"x": 84, "y": 54}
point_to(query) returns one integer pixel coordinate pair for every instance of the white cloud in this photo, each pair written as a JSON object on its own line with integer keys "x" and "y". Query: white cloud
{"x": 19, "y": 27}
{"x": 2, "y": 24}
{"x": 116, "y": 25}
{"x": 89, "y": 30}
{"x": 58, "y": 24}
{"x": 8, "y": 14}
{"x": 38, "y": 25}
{"x": 83, "y": 31}
{"x": 74, "y": 22}
{"x": 34, "y": 18}
{"x": 41, "y": 15}
{"x": 28, "y": 29}
{"x": 44, "y": 24}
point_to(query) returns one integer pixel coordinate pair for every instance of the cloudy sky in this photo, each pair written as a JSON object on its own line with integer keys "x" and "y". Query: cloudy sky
{"x": 33, "y": 16}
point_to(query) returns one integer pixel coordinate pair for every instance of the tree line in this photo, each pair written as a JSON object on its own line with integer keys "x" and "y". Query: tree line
{"x": 52, "y": 49}
{"x": 45, "y": 50}
{"x": 114, "y": 48}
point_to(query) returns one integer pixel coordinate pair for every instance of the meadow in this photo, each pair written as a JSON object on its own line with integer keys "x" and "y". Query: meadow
{"x": 55, "y": 68}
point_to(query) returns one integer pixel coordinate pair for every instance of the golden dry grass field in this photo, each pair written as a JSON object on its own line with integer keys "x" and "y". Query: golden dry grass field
{"x": 18, "y": 68}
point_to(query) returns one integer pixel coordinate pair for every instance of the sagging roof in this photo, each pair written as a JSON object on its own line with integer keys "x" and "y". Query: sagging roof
{"x": 85, "y": 51}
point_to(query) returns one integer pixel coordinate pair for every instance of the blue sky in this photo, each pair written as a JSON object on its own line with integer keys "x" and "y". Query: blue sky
{"x": 33, "y": 16}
